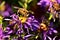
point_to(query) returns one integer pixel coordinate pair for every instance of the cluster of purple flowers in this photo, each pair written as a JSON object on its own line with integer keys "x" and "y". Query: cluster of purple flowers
{"x": 31, "y": 23}
{"x": 21, "y": 27}
{"x": 53, "y": 11}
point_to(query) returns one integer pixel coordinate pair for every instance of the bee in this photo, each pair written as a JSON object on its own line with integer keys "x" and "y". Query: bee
{"x": 23, "y": 11}
{"x": 43, "y": 27}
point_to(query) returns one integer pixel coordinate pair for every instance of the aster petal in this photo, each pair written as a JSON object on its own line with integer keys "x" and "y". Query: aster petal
{"x": 54, "y": 38}
{"x": 26, "y": 37}
{"x": 36, "y": 25}
{"x": 27, "y": 28}
{"x": 10, "y": 32}
{"x": 7, "y": 36}
{"x": 55, "y": 31}
{"x": 7, "y": 29}
{"x": 28, "y": 23}
{"x": 49, "y": 38}
{"x": 34, "y": 20}
{"x": 44, "y": 35}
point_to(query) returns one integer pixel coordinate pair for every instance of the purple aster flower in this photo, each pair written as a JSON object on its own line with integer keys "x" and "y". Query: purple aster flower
{"x": 31, "y": 23}
{"x": 49, "y": 31}
{"x": 44, "y": 2}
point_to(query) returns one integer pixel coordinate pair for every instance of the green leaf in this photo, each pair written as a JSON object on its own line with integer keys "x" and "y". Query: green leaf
{"x": 26, "y": 1}
{"x": 50, "y": 17}
{"x": 21, "y": 4}
{"x": 2, "y": 4}
{"x": 29, "y": 1}
{"x": 25, "y": 5}
{"x": 36, "y": 37}
{"x": 1, "y": 19}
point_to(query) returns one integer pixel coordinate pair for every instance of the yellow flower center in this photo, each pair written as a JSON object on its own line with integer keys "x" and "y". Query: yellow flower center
{"x": 23, "y": 19}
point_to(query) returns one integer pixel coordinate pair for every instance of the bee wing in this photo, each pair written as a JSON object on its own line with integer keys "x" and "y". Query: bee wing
{"x": 16, "y": 7}
{"x": 7, "y": 19}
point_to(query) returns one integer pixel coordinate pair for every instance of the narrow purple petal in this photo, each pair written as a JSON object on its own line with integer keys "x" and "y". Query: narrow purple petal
{"x": 28, "y": 36}
{"x": 54, "y": 38}
{"x": 36, "y": 25}
{"x": 7, "y": 28}
{"x": 44, "y": 35}
{"x": 49, "y": 38}
{"x": 6, "y": 36}
{"x": 10, "y": 32}
{"x": 55, "y": 31}
{"x": 34, "y": 20}
{"x": 28, "y": 23}
{"x": 26, "y": 26}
